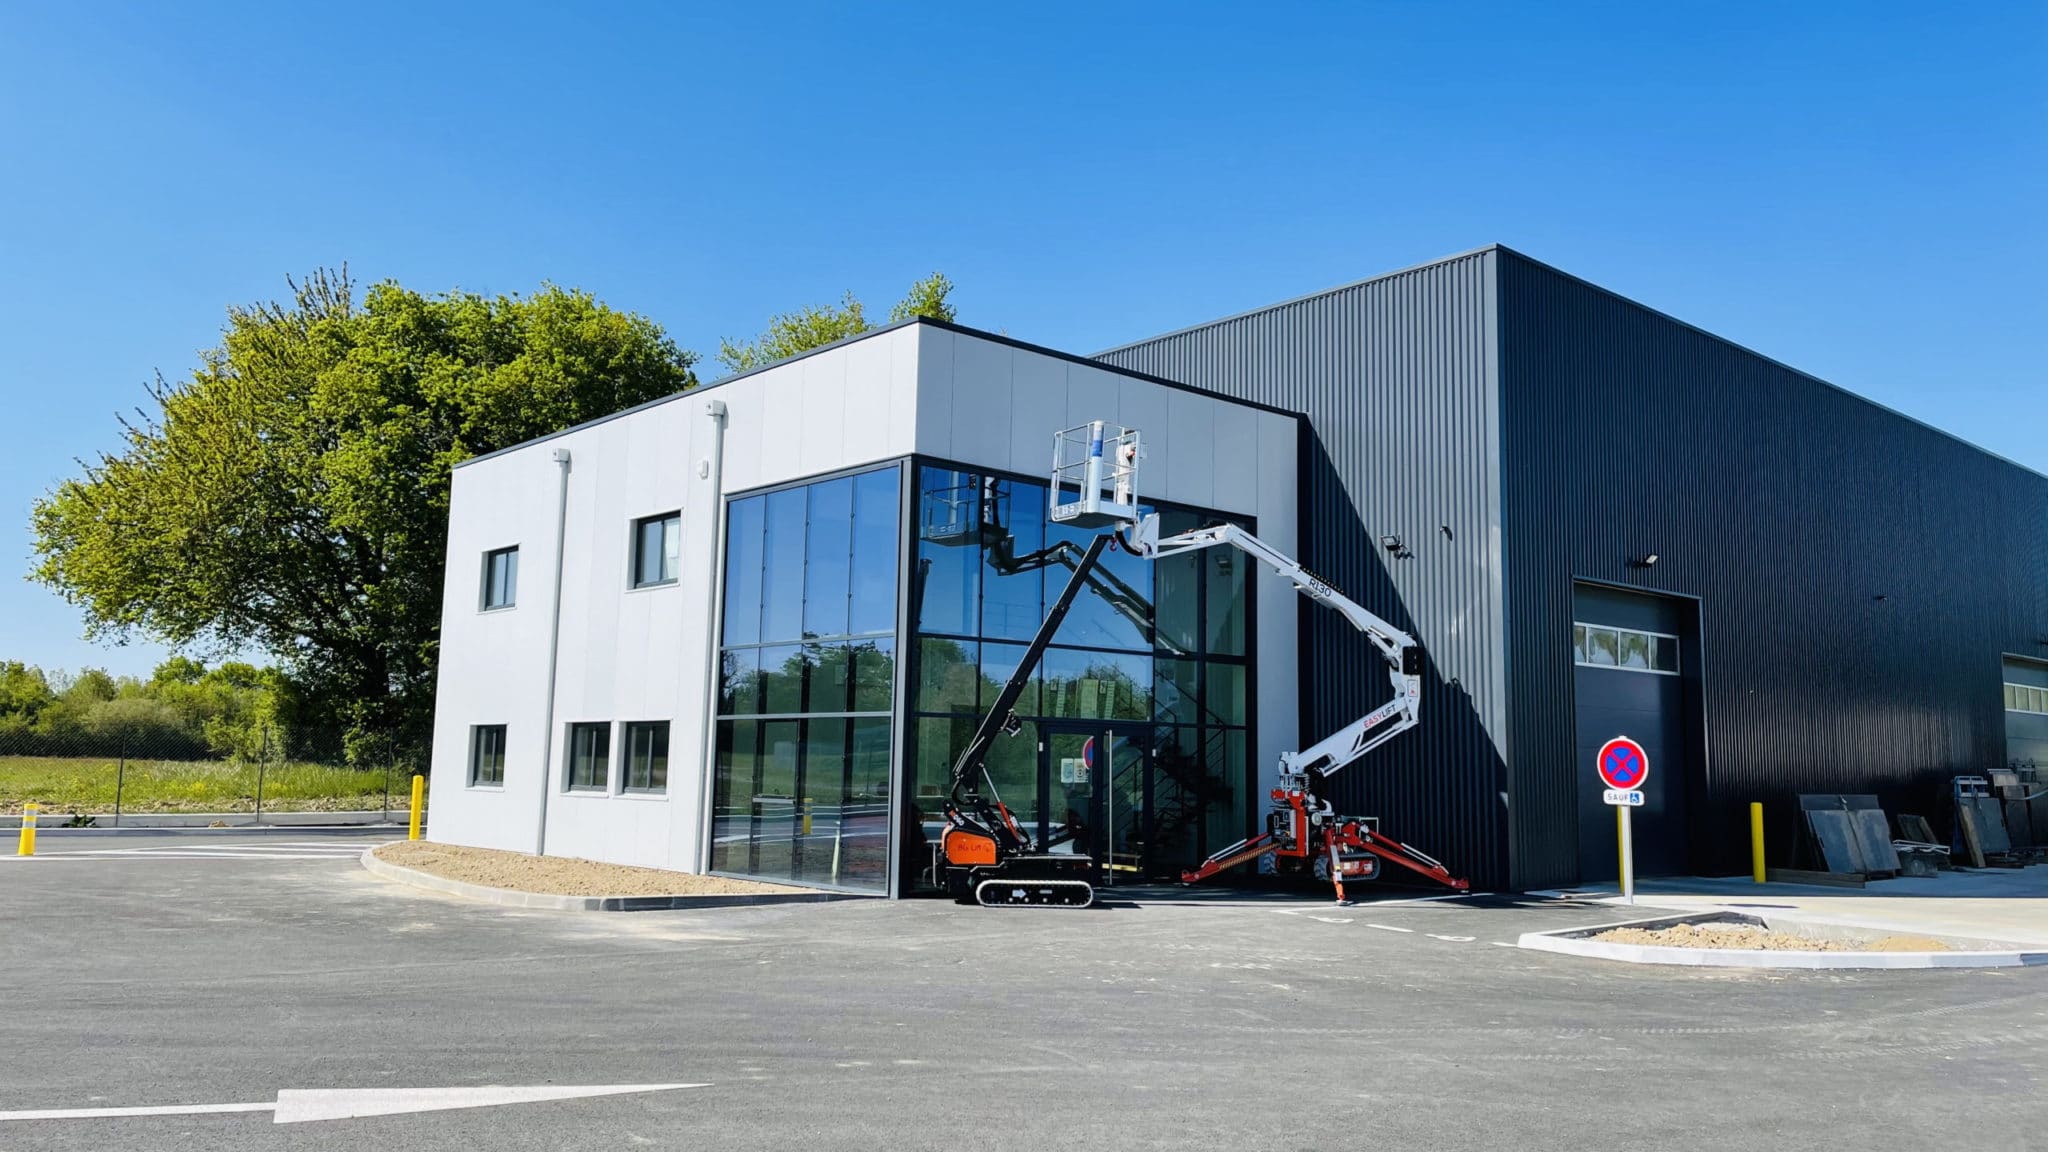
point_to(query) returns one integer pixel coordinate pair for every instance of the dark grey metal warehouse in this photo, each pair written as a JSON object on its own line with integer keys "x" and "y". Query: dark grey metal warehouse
{"x": 1848, "y": 588}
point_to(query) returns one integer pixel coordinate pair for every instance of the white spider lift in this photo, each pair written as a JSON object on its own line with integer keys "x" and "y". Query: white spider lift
{"x": 1095, "y": 484}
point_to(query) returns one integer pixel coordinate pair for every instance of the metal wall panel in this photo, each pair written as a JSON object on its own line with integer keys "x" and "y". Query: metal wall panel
{"x": 1860, "y": 574}
{"x": 1398, "y": 381}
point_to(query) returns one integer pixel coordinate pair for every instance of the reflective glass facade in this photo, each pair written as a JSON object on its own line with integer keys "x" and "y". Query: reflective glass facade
{"x": 1157, "y": 650}
{"x": 800, "y": 787}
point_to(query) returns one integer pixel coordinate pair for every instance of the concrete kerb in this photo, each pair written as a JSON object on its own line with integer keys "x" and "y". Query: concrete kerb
{"x": 552, "y": 902}
{"x": 1579, "y": 942}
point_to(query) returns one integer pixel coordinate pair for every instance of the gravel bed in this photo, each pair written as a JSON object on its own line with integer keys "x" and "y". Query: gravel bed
{"x": 1754, "y": 938}
{"x": 560, "y": 875}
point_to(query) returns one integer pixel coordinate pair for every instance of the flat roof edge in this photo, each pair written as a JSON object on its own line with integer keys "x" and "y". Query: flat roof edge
{"x": 1766, "y": 358}
{"x": 1248, "y": 313}
{"x": 945, "y": 325}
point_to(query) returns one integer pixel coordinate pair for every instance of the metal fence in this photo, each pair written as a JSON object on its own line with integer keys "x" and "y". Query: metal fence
{"x": 103, "y": 778}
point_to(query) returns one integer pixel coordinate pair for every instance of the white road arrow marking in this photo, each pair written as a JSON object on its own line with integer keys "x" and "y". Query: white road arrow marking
{"x": 300, "y": 1105}
{"x": 295, "y": 1106}
{"x": 165, "y": 1110}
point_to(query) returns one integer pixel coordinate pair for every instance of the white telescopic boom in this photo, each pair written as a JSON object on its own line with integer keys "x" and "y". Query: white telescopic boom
{"x": 1402, "y": 654}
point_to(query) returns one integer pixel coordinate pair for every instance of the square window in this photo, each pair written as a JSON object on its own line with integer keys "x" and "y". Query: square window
{"x": 874, "y": 675}
{"x": 1601, "y": 644}
{"x": 1224, "y": 702}
{"x": 999, "y": 662}
{"x": 1634, "y": 651}
{"x": 647, "y": 757}
{"x": 831, "y": 668}
{"x": 948, "y": 675}
{"x": 590, "y": 757}
{"x": 782, "y": 679}
{"x": 657, "y": 547}
{"x": 501, "y": 578}
{"x": 1664, "y": 653}
{"x": 487, "y": 754}
{"x": 739, "y": 682}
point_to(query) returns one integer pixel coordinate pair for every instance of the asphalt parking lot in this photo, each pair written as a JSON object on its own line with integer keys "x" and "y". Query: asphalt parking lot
{"x": 185, "y": 971}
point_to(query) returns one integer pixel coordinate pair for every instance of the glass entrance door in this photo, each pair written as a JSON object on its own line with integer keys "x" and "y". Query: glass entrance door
{"x": 1123, "y": 810}
{"x": 1097, "y": 781}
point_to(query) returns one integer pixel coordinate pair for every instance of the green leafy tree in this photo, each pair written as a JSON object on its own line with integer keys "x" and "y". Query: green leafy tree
{"x": 292, "y": 495}
{"x": 927, "y": 297}
{"x": 183, "y": 711}
{"x": 816, "y": 326}
{"x": 24, "y": 693}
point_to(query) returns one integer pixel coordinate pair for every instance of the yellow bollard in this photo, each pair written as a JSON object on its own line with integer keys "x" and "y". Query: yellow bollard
{"x": 27, "y": 846}
{"x": 1620, "y": 847}
{"x": 419, "y": 804}
{"x": 1756, "y": 841}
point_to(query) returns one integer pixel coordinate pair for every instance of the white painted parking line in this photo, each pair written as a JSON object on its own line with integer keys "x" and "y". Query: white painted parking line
{"x": 1388, "y": 928}
{"x": 1305, "y": 912}
{"x": 301, "y": 1105}
{"x": 204, "y": 852}
{"x": 1427, "y": 899}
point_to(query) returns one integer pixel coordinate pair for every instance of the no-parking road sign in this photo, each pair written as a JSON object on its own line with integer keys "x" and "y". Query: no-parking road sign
{"x": 1623, "y": 764}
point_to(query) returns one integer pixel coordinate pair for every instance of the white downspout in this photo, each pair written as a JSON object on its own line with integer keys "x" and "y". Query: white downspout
{"x": 712, "y": 469}
{"x": 547, "y": 723}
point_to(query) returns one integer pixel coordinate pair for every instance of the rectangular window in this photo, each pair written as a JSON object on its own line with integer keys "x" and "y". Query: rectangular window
{"x": 828, "y": 557}
{"x": 647, "y": 757}
{"x": 487, "y": 754}
{"x": 2021, "y": 698}
{"x": 1626, "y": 648}
{"x": 501, "y": 578}
{"x": 657, "y": 549}
{"x": 876, "y": 511}
{"x": 782, "y": 566}
{"x": 590, "y": 757}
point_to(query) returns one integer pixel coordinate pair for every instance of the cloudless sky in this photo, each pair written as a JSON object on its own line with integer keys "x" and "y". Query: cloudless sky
{"x": 1856, "y": 189}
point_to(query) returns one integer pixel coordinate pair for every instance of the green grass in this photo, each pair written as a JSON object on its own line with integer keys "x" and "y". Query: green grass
{"x": 86, "y": 784}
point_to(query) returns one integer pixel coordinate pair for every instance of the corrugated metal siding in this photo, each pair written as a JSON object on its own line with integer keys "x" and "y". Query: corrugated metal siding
{"x": 1787, "y": 506}
{"x": 1397, "y": 378}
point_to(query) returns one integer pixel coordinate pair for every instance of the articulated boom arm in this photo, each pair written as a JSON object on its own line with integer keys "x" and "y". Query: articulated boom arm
{"x": 1402, "y": 653}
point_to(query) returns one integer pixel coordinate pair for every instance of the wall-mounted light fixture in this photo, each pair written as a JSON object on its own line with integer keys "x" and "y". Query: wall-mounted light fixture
{"x": 1881, "y": 597}
{"x": 1646, "y": 560}
{"x": 1393, "y": 544}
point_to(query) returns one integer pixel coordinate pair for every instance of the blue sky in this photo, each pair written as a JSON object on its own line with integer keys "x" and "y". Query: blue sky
{"x": 1856, "y": 189}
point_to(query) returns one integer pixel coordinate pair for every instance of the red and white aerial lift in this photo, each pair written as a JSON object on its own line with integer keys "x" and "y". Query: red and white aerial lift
{"x": 987, "y": 856}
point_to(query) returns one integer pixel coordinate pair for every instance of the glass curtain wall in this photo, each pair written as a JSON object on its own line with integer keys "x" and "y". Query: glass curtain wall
{"x": 800, "y": 786}
{"x": 1163, "y": 645}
